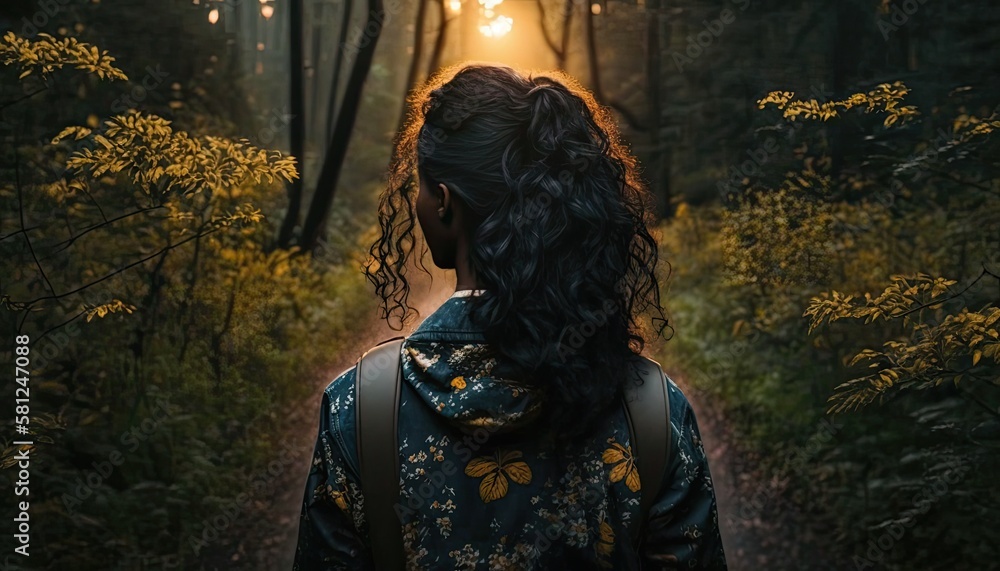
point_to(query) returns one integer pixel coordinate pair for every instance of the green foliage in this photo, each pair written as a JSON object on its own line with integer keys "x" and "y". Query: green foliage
{"x": 778, "y": 238}
{"x": 48, "y": 53}
{"x": 886, "y": 98}
{"x": 159, "y": 160}
{"x": 897, "y": 301}
{"x": 949, "y": 348}
{"x": 137, "y": 255}
{"x": 868, "y": 290}
{"x": 114, "y": 306}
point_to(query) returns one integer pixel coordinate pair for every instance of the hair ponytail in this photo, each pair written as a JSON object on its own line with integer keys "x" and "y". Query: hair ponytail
{"x": 561, "y": 241}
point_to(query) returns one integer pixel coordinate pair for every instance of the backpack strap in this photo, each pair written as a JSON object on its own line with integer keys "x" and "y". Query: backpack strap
{"x": 378, "y": 381}
{"x": 647, "y": 408}
{"x": 377, "y": 387}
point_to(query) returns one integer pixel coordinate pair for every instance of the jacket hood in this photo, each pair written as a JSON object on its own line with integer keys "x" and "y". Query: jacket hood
{"x": 459, "y": 377}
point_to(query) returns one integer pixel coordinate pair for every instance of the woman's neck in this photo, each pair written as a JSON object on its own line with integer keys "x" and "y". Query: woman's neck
{"x": 465, "y": 276}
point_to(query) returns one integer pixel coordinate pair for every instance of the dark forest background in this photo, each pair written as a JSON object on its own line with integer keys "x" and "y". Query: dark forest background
{"x": 183, "y": 228}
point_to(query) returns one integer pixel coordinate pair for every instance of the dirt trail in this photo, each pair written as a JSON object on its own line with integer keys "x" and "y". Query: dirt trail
{"x": 724, "y": 465}
{"x": 762, "y": 528}
{"x": 268, "y": 538}
{"x": 265, "y": 538}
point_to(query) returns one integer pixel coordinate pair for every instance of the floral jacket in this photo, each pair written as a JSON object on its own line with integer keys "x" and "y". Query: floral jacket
{"x": 478, "y": 490}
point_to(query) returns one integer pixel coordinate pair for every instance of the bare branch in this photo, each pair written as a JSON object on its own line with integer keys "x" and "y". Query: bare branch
{"x": 122, "y": 269}
{"x": 69, "y": 241}
{"x": 545, "y": 32}
{"x": 22, "y": 98}
{"x": 20, "y": 212}
{"x": 929, "y": 304}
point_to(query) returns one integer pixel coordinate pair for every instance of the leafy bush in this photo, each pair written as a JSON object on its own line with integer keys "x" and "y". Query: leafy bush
{"x": 889, "y": 263}
{"x": 168, "y": 336}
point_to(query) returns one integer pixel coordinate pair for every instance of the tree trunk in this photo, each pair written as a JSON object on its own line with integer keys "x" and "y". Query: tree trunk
{"x": 567, "y": 24}
{"x": 333, "y": 161}
{"x": 418, "y": 52}
{"x": 297, "y": 128}
{"x": 593, "y": 65}
{"x": 595, "y": 71}
{"x": 660, "y": 156}
{"x": 439, "y": 42}
{"x": 560, "y": 50}
{"x": 844, "y": 59}
{"x": 331, "y": 108}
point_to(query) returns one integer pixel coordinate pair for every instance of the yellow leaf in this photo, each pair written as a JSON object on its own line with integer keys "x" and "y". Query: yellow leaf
{"x": 520, "y": 472}
{"x": 493, "y": 487}
{"x": 605, "y": 545}
{"x": 510, "y": 455}
{"x": 612, "y": 455}
{"x": 619, "y": 471}
{"x": 607, "y": 534}
{"x": 632, "y": 480}
{"x": 479, "y": 467}
{"x": 339, "y": 500}
{"x": 976, "y": 356}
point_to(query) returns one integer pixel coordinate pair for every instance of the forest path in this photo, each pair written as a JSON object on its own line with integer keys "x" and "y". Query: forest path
{"x": 761, "y": 526}
{"x": 728, "y": 465}
{"x": 266, "y": 538}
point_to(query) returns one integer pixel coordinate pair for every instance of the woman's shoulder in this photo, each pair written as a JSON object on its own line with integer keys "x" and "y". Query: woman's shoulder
{"x": 340, "y": 391}
{"x": 680, "y": 406}
{"x": 688, "y": 454}
{"x": 338, "y": 414}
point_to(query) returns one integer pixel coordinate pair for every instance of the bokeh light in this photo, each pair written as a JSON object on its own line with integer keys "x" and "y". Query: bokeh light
{"x": 497, "y": 27}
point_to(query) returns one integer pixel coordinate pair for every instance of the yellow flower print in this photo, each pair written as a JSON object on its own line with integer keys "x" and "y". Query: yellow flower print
{"x": 423, "y": 361}
{"x": 497, "y": 469}
{"x": 458, "y": 383}
{"x": 338, "y": 497}
{"x": 625, "y": 468}
{"x": 605, "y": 545}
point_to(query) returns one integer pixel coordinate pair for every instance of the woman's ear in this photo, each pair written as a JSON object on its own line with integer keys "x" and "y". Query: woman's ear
{"x": 444, "y": 203}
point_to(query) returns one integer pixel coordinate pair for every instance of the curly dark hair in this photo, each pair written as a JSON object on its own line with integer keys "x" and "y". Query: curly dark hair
{"x": 561, "y": 243}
